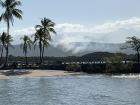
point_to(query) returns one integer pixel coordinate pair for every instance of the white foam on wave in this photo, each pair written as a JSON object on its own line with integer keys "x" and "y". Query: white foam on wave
{"x": 130, "y": 76}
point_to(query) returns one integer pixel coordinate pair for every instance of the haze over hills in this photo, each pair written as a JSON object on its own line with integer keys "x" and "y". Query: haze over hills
{"x": 80, "y": 48}
{"x": 72, "y": 49}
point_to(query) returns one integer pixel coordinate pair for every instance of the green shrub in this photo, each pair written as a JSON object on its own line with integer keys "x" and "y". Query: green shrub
{"x": 73, "y": 67}
{"x": 115, "y": 65}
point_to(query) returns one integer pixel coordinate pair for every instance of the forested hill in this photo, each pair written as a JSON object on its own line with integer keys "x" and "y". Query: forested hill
{"x": 96, "y": 56}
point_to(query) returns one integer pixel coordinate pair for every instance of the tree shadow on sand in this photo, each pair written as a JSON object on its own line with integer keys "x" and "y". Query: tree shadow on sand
{"x": 15, "y": 72}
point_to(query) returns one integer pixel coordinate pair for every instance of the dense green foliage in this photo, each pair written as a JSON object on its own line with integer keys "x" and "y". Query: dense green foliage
{"x": 115, "y": 65}
{"x": 93, "y": 57}
{"x": 73, "y": 67}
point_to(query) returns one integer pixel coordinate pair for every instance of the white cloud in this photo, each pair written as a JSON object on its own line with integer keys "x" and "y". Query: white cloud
{"x": 112, "y": 32}
{"x": 132, "y": 23}
{"x": 26, "y": 31}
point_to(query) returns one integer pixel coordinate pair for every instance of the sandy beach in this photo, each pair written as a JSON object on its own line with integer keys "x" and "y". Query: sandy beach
{"x": 40, "y": 73}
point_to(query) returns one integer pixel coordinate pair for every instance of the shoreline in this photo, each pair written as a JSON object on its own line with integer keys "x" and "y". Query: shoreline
{"x": 38, "y": 73}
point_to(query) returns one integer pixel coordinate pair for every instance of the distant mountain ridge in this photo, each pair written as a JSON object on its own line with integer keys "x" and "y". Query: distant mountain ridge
{"x": 75, "y": 49}
{"x": 81, "y": 48}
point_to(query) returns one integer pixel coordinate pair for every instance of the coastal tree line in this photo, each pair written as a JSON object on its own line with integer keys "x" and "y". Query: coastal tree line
{"x": 42, "y": 35}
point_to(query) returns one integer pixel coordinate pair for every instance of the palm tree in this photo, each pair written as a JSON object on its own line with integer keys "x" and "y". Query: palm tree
{"x": 27, "y": 42}
{"x": 10, "y": 11}
{"x": 2, "y": 40}
{"x": 47, "y": 27}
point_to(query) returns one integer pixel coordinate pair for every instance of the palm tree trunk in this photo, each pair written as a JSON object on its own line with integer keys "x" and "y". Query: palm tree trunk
{"x": 43, "y": 53}
{"x": 7, "y": 51}
{"x": 40, "y": 48}
{"x": 7, "y": 46}
{"x": 43, "y": 47}
{"x": 26, "y": 58}
{"x": 138, "y": 57}
{"x": 1, "y": 55}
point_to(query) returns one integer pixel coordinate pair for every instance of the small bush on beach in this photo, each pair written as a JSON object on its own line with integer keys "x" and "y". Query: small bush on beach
{"x": 73, "y": 67}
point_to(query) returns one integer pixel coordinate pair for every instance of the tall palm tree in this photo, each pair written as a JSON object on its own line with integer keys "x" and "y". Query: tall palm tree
{"x": 47, "y": 27}
{"x": 27, "y": 42}
{"x": 3, "y": 43}
{"x": 10, "y": 11}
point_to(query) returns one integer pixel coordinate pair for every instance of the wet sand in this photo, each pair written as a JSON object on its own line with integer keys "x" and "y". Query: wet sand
{"x": 40, "y": 73}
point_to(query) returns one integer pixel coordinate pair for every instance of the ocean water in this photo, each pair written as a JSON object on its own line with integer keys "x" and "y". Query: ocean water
{"x": 71, "y": 90}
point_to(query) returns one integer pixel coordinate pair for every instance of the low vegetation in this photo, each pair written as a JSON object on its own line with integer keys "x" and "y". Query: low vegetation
{"x": 116, "y": 65}
{"x": 73, "y": 67}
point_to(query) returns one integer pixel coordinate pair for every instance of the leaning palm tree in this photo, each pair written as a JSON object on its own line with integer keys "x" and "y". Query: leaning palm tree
{"x": 10, "y": 11}
{"x": 47, "y": 27}
{"x": 27, "y": 42}
{"x": 3, "y": 43}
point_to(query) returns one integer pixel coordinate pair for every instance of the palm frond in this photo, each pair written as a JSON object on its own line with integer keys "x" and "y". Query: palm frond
{"x": 52, "y": 30}
{"x": 17, "y": 13}
{"x": 2, "y": 3}
{"x": 14, "y": 4}
{"x": 37, "y": 27}
{"x": 10, "y": 11}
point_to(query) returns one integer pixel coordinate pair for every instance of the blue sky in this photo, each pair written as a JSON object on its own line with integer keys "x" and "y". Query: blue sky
{"x": 105, "y": 21}
{"x": 87, "y": 12}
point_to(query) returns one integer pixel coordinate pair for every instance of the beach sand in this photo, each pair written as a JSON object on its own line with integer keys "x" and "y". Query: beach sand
{"x": 40, "y": 73}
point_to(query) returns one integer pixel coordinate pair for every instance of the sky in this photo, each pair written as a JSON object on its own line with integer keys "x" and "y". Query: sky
{"x": 104, "y": 21}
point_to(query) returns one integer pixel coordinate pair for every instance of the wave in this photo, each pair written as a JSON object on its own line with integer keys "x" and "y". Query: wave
{"x": 130, "y": 76}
